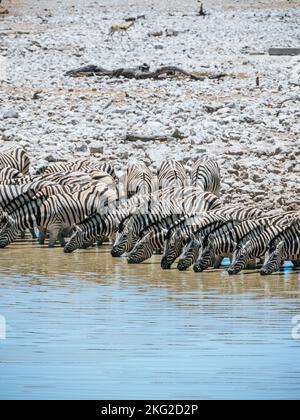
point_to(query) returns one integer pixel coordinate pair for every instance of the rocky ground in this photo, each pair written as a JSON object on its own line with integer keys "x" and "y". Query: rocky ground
{"x": 253, "y": 131}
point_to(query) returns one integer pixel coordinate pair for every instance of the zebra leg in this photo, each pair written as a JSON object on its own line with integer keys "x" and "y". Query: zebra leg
{"x": 42, "y": 236}
{"x": 53, "y": 235}
{"x": 296, "y": 264}
{"x": 217, "y": 262}
{"x": 23, "y": 233}
{"x": 100, "y": 241}
{"x": 33, "y": 234}
{"x": 251, "y": 264}
{"x": 61, "y": 238}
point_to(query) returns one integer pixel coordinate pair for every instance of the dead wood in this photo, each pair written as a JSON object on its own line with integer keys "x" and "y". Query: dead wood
{"x": 140, "y": 72}
{"x": 138, "y": 137}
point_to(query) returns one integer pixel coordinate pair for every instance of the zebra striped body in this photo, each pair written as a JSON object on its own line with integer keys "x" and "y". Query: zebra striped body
{"x": 78, "y": 165}
{"x": 139, "y": 180}
{"x": 172, "y": 174}
{"x": 255, "y": 246}
{"x": 151, "y": 239}
{"x": 222, "y": 242}
{"x": 64, "y": 210}
{"x": 22, "y": 213}
{"x": 173, "y": 206}
{"x": 285, "y": 246}
{"x": 178, "y": 235}
{"x": 98, "y": 225}
{"x": 15, "y": 158}
{"x": 9, "y": 173}
{"x": 206, "y": 175}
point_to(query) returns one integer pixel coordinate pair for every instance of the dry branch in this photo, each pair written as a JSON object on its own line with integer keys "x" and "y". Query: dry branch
{"x": 140, "y": 72}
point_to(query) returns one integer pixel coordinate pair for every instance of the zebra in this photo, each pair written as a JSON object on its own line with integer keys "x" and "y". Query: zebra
{"x": 82, "y": 165}
{"x": 139, "y": 180}
{"x": 178, "y": 235}
{"x": 20, "y": 208}
{"x": 144, "y": 249}
{"x": 75, "y": 180}
{"x": 285, "y": 246}
{"x": 15, "y": 158}
{"x": 233, "y": 217}
{"x": 62, "y": 211}
{"x": 194, "y": 201}
{"x": 254, "y": 247}
{"x": 171, "y": 174}
{"x": 22, "y": 213}
{"x": 254, "y": 243}
{"x": 223, "y": 241}
{"x": 150, "y": 240}
{"x": 98, "y": 225}
{"x": 9, "y": 173}
{"x": 206, "y": 174}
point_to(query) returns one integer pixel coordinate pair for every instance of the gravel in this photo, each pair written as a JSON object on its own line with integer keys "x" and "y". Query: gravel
{"x": 253, "y": 131}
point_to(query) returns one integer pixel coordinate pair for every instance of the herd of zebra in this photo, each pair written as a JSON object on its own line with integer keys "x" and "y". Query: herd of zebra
{"x": 174, "y": 211}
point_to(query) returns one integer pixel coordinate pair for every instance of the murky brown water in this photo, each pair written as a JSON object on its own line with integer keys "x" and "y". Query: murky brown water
{"x": 86, "y": 325}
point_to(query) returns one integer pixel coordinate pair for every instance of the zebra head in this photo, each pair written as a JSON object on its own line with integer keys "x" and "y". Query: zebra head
{"x": 190, "y": 252}
{"x": 242, "y": 257}
{"x": 76, "y": 240}
{"x": 144, "y": 248}
{"x": 125, "y": 240}
{"x": 173, "y": 248}
{"x": 273, "y": 259}
{"x": 206, "y": 255}
{"x": 8, "y": 232}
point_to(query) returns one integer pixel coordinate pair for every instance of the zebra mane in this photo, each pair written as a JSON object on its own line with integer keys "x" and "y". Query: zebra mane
{"x": 285, "y": 228}
{"x": 122, "y": 223}
{"x": 41, "y": 170}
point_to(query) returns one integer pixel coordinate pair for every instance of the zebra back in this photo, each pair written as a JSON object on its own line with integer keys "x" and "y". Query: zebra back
{"x": 139, "y": 180}
{"x": 15, "y": 158}
{"x": 172, "y": 174}
{"x": 206, "y": 175}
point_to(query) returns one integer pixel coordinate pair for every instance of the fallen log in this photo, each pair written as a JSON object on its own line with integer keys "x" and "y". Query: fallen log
{"x": 138, "y": 137}
{"x": 284, "y": 51}
{"x": 140, "y": 72}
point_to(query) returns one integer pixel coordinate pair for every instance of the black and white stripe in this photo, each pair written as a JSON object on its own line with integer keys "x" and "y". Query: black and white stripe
{"x": 175, "y": 204}
{"x": 172, "y": 174}
{"x": 178, "y": 235}
{"x": 206, "y": 175}
{"x": 15, "y": 158}
{"x": 139, "y": 180}
{"x": 284, "y": 246}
